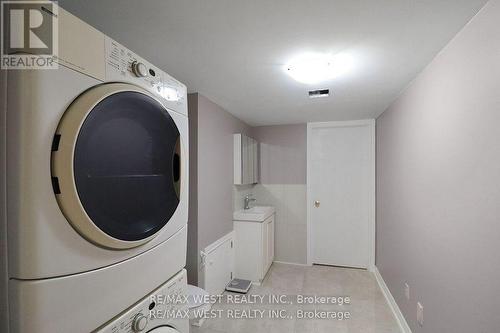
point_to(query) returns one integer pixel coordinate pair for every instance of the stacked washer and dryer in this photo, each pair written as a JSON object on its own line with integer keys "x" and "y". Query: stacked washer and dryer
{"x": 97, "y": 189}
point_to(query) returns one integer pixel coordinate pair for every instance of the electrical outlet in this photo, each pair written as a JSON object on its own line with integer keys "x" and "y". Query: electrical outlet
{"x": 407, "y": 290}
{"x": 420, "y": 314}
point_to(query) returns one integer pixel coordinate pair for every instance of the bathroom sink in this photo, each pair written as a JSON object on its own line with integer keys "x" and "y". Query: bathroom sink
{"x": 254, "y": 214}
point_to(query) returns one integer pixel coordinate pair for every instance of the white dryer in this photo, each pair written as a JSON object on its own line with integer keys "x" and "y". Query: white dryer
{"x": 97, "y": 183}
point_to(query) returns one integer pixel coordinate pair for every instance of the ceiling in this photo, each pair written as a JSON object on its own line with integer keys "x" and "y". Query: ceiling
{"x": 233, "y": 51}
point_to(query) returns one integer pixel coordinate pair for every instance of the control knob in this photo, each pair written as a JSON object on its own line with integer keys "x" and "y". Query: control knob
{"x": 139, "y": 323}
{"x": 139, "y": 69}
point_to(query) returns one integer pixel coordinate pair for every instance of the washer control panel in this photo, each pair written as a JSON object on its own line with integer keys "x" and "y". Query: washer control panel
{"x": 123, "y": 65}
{"x": 165, "y": 306}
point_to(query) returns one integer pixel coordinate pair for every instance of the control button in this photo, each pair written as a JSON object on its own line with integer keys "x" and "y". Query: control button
{"x": 139, "y": 69}
{"x": 139, "y": 323}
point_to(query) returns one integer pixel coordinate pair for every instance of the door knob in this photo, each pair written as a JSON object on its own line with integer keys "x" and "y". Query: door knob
{"x": 316, "y": 203}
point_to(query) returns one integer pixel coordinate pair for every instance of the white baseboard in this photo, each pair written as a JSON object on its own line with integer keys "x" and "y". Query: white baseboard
{"x": 403, "y": 325}
{"x": 290, "y": 263}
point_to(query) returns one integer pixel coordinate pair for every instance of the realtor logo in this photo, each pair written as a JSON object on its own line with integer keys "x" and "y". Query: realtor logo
{"x": 29, "y": 35}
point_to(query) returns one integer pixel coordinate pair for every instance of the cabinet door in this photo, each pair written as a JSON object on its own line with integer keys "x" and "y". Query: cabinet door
{"x": 237, "y": 155}
{"x": 270, "y": 241}
{"x": 255, "y": 158}
{"x": 265, "y": 248}
{"x": 246, "y": 168}
{"x": 249, "y": 251}
{"x": 246, "y": 159}
{"x": 250, "y": 160}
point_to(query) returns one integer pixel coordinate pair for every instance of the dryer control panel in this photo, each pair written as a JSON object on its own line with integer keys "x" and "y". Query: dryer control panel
{"x": 123, "y": 65}
{"x": 166, "y": 306}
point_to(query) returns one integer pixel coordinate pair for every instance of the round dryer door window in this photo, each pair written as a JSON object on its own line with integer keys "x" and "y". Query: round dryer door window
{"x": 116, "y": 165}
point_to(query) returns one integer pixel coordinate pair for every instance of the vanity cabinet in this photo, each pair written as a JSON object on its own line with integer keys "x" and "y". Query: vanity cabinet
{"x": 246, "y": 161}
{"x": 254, "y": 248}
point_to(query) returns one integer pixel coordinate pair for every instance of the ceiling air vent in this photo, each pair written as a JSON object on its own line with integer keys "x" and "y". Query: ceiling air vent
{"x": 319, "y": 93}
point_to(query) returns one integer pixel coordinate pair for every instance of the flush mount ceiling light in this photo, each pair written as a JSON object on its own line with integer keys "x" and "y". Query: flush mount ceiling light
{"x": 312, "y": 68}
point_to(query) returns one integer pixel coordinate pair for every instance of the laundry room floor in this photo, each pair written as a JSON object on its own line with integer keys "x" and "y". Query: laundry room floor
{"x": 368, "y": 309}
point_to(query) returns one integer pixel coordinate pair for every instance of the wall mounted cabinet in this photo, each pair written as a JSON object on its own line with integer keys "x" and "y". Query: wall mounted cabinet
{"x": 246, "y": 160}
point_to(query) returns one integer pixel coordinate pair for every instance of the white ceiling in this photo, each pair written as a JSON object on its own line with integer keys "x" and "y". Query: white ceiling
{"x": 233, "y": 51}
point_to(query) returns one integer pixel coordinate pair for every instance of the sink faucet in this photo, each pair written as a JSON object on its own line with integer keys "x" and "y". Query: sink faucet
{"x": 247, "y": 200}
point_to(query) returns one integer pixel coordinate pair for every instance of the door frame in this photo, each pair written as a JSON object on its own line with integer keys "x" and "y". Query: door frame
{"x": 370, "y": 123}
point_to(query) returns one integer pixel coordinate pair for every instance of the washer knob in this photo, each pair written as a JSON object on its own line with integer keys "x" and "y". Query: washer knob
{"x": 139, "y": 323}
{"x": 139, "y": 69}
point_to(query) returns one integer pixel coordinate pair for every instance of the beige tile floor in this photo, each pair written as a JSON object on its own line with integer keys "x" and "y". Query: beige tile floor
{"x": 369, "y": 312}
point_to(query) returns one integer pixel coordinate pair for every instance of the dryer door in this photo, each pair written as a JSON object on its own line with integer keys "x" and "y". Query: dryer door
{"x": 116, "y": 165}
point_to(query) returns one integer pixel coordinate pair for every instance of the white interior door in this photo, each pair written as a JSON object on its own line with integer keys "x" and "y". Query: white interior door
{"x": 341, "y": 190}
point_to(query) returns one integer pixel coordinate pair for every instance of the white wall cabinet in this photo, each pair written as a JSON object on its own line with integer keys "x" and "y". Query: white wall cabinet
{"x": 246, "y": 160}
{"x": 254, "y": 248}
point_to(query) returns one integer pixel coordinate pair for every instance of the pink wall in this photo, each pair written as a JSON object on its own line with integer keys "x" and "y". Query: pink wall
{"x": 215, "y": 169}
{"x": 211, "y": 175}
{"x": 438, "y": 186}
{"x": 283, "y": 162}
{"x": 283, "y": 153}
